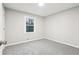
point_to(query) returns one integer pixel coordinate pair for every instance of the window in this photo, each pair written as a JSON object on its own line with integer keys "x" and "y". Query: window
{"x": 29, "y": 24}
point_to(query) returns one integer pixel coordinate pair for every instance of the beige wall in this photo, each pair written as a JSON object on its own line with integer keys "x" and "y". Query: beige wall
{"x": 15, "y": 27}
{"x": 64, "y": 27}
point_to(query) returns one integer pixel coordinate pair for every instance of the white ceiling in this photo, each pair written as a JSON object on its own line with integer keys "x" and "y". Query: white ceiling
{"x": 48, "y": 9}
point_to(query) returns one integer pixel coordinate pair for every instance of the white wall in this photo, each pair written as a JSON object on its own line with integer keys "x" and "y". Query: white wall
{"x": 2, "y": 22}
{"x": 64, "y": 27}
{"x": 15, "y": 27}
{"x": 2, "y": 33}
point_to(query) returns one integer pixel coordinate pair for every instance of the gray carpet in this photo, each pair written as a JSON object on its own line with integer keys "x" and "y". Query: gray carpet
{"x": 41, "y": 47}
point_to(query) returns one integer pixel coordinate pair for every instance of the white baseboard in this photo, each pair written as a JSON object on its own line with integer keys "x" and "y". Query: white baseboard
{"x": 53, "y": 39}
{"x": 23, "y": 42}
{"x": 49, "y": 38}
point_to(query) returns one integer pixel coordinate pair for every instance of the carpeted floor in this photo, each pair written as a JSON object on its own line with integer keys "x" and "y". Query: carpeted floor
{"x": 41, "y": 47}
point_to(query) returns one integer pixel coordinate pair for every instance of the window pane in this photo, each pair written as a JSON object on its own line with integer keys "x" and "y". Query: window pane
{"x": 29, "y": 28}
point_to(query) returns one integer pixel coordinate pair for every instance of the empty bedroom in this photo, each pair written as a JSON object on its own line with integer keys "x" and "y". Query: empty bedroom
{"x": 39, "y": 29}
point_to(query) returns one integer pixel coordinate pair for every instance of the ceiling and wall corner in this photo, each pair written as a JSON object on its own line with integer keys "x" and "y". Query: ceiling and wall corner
{"x": 44, "y": 11}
